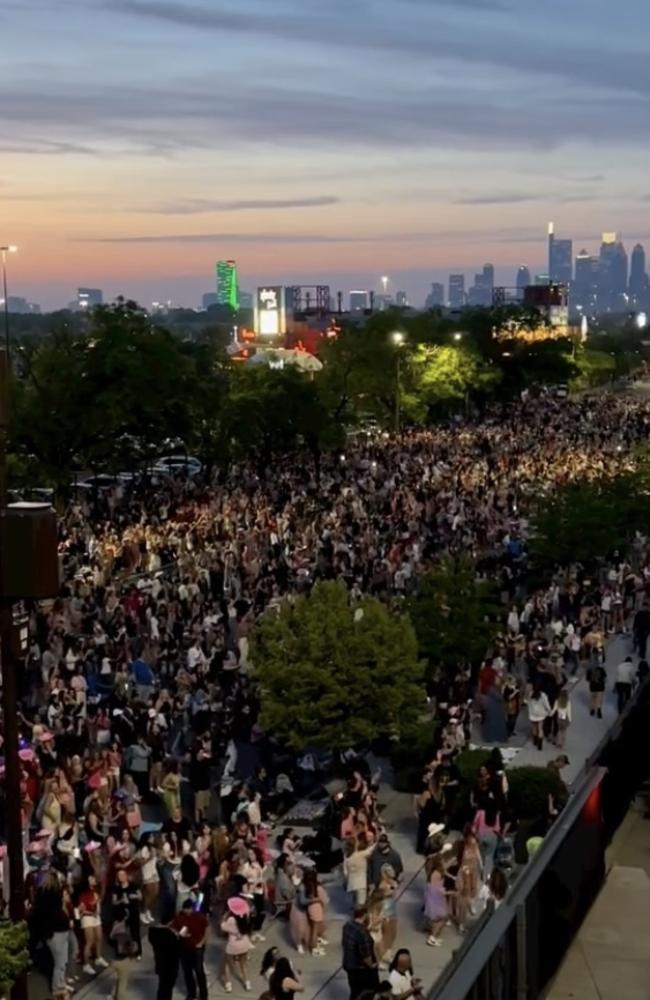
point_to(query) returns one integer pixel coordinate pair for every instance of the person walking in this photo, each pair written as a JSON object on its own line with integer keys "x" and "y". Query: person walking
{"x": 283, "y": 982}
{"x": 359, "y": 962}
{"x": 192, "y": 929}
{"x": 597, "y": 677}
{"x": 562, "y": 710}
{"x": 166, "y": 947}
{"x": 539, "y": 709}
{"x": 355, "y": 868}
{"x": 625, "y": 675}
{"x": 236, "y": 926}
{"x": 436, "y": 909}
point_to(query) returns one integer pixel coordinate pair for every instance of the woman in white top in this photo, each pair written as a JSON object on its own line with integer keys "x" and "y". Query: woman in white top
{"x": 355, "y": 868}
{"x": 148, "y": 858}
{"x": 402, "y": 981}
{"x": 562, "y": 710}
{"x": 539, "y": 708}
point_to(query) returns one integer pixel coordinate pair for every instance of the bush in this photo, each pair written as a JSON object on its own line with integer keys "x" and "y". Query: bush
{"x": 530, "y": 788}
{"x": 469, "y": 763}
{"x": 411, "y": 753}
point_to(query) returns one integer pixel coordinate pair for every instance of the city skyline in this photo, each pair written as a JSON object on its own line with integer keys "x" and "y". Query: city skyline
{"x": 309, "y": 144}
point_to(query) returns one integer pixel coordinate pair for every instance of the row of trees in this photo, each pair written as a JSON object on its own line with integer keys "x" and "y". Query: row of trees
{"x": 112, "y": 392}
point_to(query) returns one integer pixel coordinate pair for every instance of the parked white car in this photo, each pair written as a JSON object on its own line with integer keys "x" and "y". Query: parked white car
{"x": 172, "y": 465}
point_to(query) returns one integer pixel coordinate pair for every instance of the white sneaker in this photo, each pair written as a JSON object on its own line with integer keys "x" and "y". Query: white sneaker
{"x": 101, "y": 962}
{"x": 89, "y": 970}
{"x": 301, "y": 950}
{"x": 323, "y": 941}
{"x": 227, "y": 987}
{"x": 434, "y": 942}
{"x": 247, "y": 986}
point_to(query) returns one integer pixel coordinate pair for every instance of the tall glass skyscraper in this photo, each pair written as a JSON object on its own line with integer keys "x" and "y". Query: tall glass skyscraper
{"x": 227, "y": 288}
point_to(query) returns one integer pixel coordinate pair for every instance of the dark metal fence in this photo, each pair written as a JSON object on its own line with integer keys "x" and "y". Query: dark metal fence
{"x": 515, "y": 950}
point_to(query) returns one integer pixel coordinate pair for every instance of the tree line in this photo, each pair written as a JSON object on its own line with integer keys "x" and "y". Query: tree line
{"x": 113, "y": 392}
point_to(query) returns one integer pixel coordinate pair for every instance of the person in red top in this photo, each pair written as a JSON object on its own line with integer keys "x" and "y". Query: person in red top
{"x": 192, "y": 929}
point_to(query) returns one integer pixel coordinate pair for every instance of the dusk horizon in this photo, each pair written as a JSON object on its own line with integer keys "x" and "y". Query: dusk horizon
{"x": 145, "y": 139}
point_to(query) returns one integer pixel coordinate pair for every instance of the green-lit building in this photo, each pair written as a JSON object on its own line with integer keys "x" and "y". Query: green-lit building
{"x": 227, "y": 290}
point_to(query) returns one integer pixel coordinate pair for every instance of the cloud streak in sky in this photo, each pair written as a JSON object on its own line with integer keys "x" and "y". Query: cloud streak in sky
{"x": 201, "y": 206}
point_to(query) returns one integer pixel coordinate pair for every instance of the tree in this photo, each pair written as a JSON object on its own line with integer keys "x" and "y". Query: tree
{"x": 585, "y": 520}
{"x": 455, "y": 615}
{"x": 444, "y": 375}
{"x": 14, "y": 954}
{"x": 272, "y": 412}
{"x": 336, "y": 675}
{"x": 101, "y": 398}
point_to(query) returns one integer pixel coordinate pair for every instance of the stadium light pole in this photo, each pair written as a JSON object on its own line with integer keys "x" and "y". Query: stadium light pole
{"x": 9, "y": 248}
{"x": 397, "y": 338}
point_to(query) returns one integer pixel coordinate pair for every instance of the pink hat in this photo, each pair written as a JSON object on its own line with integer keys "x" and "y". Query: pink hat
{"x": 26, "y": 754}
{"x": 92, "y": 846}
{"x": 238, "y": 906}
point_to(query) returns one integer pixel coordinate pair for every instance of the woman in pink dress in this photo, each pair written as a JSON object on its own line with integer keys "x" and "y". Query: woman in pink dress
{"x": 236, "y": 926}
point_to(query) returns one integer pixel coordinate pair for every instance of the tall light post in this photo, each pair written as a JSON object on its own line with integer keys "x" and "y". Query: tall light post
{"x": 3, "y": 253}
{"x": 397, "y": 338}
{"x": 384, "y": 284}
{"x": 28, "y": 571}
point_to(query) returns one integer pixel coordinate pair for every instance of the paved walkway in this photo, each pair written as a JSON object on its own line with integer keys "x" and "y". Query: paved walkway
{"x": 323, "y": 977}
{"x": 610, "y": 958}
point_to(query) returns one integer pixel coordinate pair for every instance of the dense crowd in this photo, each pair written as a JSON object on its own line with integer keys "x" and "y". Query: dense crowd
{"x": 139, "y": 677}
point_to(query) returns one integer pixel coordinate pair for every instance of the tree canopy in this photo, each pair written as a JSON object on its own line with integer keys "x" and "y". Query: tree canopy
{"x": 335, "y": 675}
{"x": 454, "y": 613}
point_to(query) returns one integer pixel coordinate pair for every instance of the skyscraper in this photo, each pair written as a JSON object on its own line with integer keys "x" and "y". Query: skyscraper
{"x": 227, "y": 290}
{"x": 560, "y": 258}
{"x": 436, "y": 296}
{"x": 612, "y": 279}
{"x": 638, "y": 286}
{"x": 88, "y": 298}
{"x": 358, "y": 300}
{"x": 584, "y": 290}
{"x": 456, "y": 291}
{"x": 480, "y": 294}
{"x": 522, "y": 279}
{"x": 401, "y": 300}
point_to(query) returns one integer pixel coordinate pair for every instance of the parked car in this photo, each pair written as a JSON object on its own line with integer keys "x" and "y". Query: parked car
{"x": 100, "y": 482}
{"x": 172, "y": 465}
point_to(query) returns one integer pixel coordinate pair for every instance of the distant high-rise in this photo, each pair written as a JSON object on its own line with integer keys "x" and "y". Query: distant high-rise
{"x": 88, "y": 298}
{"x": 612, "y": 279}
{"x": 522, "y": 279}
{"x": 584, "y": 290}
{"x": 401, "y": 299}
{"x": 560, "y": 258}
{"x": 358, "y": 300}
{"x": 456, "y": 291}
{"x": 227, "y": 290}
{"x": 480, "y": 294}
{"x": 17, "y": 304}
{"x": 436, "y": 296}
{"x": 246, "y": 300}
{"x": 638, "y": 285}
{"x": 209, "y": 299}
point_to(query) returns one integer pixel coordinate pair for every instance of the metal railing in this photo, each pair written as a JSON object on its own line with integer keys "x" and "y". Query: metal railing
{"x": 513, "y": 950}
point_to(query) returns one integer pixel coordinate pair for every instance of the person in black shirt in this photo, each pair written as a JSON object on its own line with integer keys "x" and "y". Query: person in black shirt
{"x": 166, "y": 946}
{"x": 359, "y": 959}
{"x": 200, "y": 774}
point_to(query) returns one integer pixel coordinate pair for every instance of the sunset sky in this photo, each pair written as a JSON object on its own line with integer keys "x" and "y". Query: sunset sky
{"x": 336, "y": 140}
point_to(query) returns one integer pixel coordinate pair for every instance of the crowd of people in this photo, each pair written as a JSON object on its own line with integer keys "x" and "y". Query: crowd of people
{"x": 139, "y": 677}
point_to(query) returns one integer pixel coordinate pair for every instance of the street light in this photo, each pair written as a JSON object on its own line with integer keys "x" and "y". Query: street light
{"x": 384, "y": 283}
{"x": 397, "y": 337}
{"x": 458, "y": 337}
{"x": 3, "y": 252}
